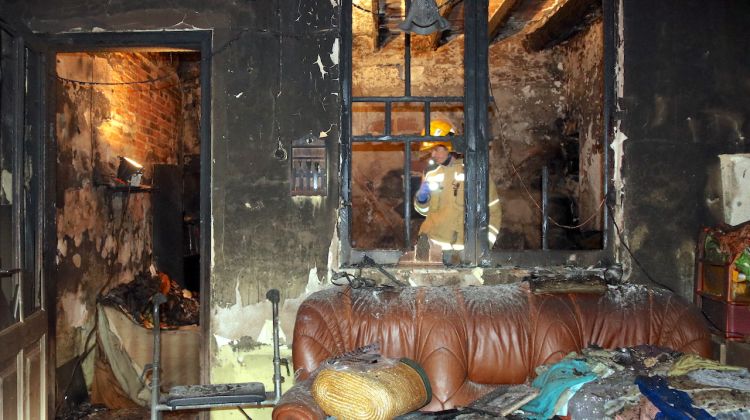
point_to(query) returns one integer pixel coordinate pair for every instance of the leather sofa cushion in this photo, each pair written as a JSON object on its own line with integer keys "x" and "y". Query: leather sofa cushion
{"x": 471, "y": 339}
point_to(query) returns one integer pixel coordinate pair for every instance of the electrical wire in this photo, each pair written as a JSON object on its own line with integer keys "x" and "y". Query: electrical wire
{"x": 632, "y": 255}
{"x": 355, "y": 281}
{"x": 84, "y": 82}
{"x": 643, "y": 269}
{"x": 554, "y": 222}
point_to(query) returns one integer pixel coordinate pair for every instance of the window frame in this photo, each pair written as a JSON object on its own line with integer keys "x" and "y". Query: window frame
{"x": 476, "y": 155}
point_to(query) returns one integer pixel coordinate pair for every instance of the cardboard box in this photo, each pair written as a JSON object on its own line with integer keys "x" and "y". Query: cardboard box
{"x": 728, "y": 191}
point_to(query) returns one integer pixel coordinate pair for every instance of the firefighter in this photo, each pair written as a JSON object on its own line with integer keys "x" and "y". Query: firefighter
{"x": 440, "y": 197}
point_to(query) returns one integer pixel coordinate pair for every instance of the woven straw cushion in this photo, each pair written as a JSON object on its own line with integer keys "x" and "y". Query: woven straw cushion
{"x": 379, "y": 391}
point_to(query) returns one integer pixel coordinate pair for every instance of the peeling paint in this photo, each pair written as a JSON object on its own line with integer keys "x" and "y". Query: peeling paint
{"x": 239, "y": 320}
{"x": 335, "y": 52}
{"x": 618, "y": 142}
{"x": 266, "y": 334}
{"x": 73, "y": 310}
{"x": 6, "y": 183}
{"x": 62, "y": 247}
{"x": 323, "y": 71}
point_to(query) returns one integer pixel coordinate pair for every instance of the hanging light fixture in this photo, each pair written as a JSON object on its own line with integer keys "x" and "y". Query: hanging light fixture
{"x": 424, "y": 18}
{"x": 129, "y": 172}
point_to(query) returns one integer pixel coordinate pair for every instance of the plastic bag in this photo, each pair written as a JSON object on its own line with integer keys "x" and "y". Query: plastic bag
{"x": 743, "y": 262}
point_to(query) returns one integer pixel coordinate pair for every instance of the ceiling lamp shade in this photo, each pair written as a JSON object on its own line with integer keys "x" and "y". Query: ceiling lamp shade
{"x": 424, "y": 18}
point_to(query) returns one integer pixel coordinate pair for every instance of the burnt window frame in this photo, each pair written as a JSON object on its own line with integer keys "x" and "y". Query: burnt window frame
{"x": 476, "y": 142}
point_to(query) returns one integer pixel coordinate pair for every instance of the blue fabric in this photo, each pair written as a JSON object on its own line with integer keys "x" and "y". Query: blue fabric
{"x": 424, "y": 193}
{"x": 566, "y": 375}
{"x": 673, "y": 403}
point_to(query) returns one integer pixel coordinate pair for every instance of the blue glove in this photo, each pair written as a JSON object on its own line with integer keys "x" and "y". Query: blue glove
{"x": 424, "y": 193}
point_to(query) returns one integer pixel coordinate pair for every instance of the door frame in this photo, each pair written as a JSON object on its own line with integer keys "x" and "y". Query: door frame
{"x": 198, "y": 40}
{"x": 43, "y": 201}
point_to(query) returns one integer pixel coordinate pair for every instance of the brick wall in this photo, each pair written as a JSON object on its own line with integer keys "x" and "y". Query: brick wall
{"x": 105, "y": 237}
{"x": 142, "y": 122}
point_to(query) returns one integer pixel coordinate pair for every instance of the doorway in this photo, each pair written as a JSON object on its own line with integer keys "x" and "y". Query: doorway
{"x": 132, "y": 131}
{"x": 24, "y": 305}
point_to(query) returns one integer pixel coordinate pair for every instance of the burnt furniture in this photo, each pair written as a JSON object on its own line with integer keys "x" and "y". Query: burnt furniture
{"x": 719, "y": 292}
{"x": 197, "y": 397}
{"x": 471, "y": 339}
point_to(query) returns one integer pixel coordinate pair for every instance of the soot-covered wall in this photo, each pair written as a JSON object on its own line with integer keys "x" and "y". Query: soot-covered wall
{"x": 686, "y": 99}
{"x": 274, "y": 79}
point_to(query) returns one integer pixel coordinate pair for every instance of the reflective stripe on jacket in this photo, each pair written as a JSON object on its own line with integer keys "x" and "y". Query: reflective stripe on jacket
{"x": 445, "y": 208}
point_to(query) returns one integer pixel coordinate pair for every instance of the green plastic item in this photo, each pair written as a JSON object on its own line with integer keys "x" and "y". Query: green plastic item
{"x": 713, "y": 251}
{"x": 743, "y": 262}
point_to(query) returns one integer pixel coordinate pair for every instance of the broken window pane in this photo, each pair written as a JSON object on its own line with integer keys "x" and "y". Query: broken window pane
{"x": 378, "y": 196}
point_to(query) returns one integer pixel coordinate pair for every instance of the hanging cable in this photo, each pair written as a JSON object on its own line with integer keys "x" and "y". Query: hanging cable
{"x": 625, "y": 245}
{"x": 554, "y": 222}
{"x": 84, "y": 82}
{"x": 643, "y": 269}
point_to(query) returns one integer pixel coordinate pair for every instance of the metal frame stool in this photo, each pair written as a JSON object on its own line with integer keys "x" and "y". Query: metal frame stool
{"x": 196, "y": 397}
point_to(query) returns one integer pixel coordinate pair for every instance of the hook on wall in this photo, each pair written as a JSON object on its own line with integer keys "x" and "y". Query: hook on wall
{"x": 280, "y": 153}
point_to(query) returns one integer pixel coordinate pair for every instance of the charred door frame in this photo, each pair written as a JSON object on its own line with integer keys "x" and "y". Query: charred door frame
{"x": 199, "y": 40}
{"x": 43, "y": 201}
{"x": 476, "y": 70}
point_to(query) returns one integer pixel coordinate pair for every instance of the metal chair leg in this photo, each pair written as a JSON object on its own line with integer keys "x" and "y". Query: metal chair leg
{"x": 158, "y": 299}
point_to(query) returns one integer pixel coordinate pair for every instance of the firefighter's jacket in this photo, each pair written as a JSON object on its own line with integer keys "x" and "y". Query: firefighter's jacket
{"x": 445, "y": 208}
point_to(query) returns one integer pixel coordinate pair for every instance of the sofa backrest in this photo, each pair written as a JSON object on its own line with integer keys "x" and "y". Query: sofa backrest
{"x": 471, "y": 339}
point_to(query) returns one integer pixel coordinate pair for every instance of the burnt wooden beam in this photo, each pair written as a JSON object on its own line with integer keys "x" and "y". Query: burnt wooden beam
{"x": 569, "y": 19}
{"x": 435, "y": 37}
{"x": 499, "y": 11}
{"x": 375, "y": 30}
{"x": 430, "y": 42}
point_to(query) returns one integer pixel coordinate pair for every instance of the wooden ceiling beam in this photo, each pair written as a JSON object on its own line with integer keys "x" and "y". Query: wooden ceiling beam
{"x": 499, "y": 11}
{"x": 435, "y": 37}
{"x": 565, "y": 22}
{"x": 375, "y": 28}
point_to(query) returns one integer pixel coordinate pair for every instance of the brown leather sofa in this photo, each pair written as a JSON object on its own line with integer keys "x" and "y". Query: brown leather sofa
{"x": 471, "y": 339}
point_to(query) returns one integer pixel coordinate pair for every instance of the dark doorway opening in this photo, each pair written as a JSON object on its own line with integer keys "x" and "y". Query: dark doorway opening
{"x": 132, "y": 136}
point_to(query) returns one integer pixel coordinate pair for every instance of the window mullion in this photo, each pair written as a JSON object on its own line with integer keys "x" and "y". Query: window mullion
{"x": 475, "y": 118}
{"x": 345, "y": 67}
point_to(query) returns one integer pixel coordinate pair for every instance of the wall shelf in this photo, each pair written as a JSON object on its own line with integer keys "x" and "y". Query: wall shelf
{"x": 128, "y": 188}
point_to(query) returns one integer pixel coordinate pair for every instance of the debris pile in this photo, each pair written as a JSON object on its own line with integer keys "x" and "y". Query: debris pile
{"x": 134, "y": 299}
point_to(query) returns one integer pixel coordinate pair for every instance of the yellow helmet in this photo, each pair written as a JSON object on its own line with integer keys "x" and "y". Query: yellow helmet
{"x": 438, "y": 128}
{"x": 429, "y": 145}
{"x": 441, "y": 128}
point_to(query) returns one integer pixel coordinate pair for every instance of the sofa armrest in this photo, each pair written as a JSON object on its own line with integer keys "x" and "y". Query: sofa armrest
{"x": 298, "y": 404}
